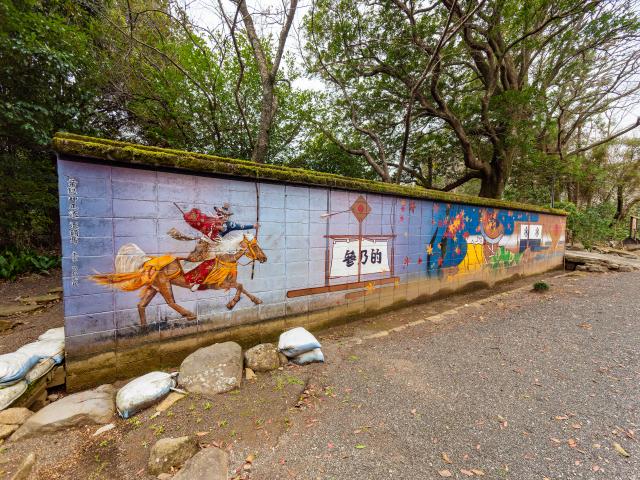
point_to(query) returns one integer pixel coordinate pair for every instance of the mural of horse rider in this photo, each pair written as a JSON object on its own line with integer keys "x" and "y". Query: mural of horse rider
{"x": 213, "y": 227}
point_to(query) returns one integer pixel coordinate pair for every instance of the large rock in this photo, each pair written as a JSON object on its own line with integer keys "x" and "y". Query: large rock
{"x": 208, "y": 464}
{"x": 214, "y": 369}
{"x": 262, "y": 358}
{"x": 85, "y": 408}
{"x": 25, "y": 468}
{"x": 170, "y": 452}
{"x": 15, "y": 416}
{"x": 7, "y": 429}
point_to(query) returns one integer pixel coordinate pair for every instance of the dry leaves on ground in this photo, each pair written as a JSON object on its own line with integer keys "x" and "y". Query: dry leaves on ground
{"x": 618, "y": 448}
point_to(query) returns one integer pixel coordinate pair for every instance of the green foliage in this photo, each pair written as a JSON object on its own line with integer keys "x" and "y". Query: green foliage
{"x": 50, "y": 73}
{"x": 540, "y": 286}
{"x": 592, "y": 225}
{"x": 14, "y": 263}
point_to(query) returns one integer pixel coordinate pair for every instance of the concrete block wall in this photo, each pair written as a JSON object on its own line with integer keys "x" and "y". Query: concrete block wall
{"x": 431, "y": 246}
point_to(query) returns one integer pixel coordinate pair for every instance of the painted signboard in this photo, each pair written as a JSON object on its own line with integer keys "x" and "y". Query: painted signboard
{"x": 152, "y": 256}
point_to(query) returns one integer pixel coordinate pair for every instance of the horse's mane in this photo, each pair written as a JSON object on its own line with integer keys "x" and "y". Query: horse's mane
{"x": 230, "y": 243}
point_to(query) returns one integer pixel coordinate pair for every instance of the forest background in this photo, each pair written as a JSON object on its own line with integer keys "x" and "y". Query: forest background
{"x": 528, "y": 100}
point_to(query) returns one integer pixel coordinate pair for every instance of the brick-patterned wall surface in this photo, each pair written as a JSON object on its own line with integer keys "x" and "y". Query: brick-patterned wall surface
{"x": 429, "y": 246}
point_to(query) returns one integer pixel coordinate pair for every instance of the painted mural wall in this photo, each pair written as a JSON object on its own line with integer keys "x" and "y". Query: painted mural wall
{"x": 154, "y": 256}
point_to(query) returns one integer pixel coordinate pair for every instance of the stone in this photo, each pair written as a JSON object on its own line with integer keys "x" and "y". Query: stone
{"x": 208, "y": 464}
{"x": 106, "y": 428}
{"x": 11, "y": 310}
{"x": 164, "y": 476}
{"x": 283, "y": 358}
{"x": 262, "y": 358}
{"x": 7, "y": 429}
{"x": 169, "y": 400}
{"x": 91, "y": 407}
{"x": 249, "y": 375}
{"x": 25, "y": 468}
{"x": 15, "y": 416}
{"x": 213, "y": 369}
{"x": 170, "y": 452}
{"x": 596, "y": 268}
{"x": 53, "y": 397}
{"x": 626, "y": 268}
{"x": 41, "y": 299}
{"x": 55, "y": 290}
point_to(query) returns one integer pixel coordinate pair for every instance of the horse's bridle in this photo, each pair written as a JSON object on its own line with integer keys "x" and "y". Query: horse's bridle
{"x": 249, "y": 251}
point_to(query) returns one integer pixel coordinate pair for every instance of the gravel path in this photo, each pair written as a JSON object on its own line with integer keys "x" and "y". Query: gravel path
{"x": 529, "y": 386}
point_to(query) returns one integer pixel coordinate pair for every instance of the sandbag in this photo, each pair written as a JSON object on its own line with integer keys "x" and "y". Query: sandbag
{"x": 44, "y": 349}
{"x": 143, "y": 392}
{"x": 10, "y": 394}
{"x": 39, "y": 370}
{"x": 311, "y": 356}
{"x": 296, "y": 341}
{"x": 53, "y": 334}
{"x": 15, "y": 365}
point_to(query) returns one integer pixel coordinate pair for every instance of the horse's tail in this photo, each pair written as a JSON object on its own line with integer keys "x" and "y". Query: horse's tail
{"x": 127, "y": 282}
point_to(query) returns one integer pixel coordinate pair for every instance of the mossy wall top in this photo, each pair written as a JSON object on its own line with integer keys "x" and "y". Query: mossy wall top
{"x": 154, "y": 157}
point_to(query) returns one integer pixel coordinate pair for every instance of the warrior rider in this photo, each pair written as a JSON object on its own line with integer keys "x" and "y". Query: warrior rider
{"x": 213, "y": 228}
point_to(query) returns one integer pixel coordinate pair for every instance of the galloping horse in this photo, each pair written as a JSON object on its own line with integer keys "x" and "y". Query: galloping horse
{"x": 135, "y": 270}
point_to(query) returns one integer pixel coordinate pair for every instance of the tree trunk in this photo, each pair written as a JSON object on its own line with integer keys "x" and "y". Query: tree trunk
{"x": 492, "y": 186}
{"x": 267, "y": 110}
{"x": 620, "y": 203}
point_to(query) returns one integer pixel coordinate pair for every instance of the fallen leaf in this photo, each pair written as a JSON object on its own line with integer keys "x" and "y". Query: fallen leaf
{"x": 576, "y": 426}
{"x": 330, "y": 445}
{"x": 250, "y": 458}
{"x": 360, "y": 446}
{"x": 468, "y": 473}
{"x": 618, "y": 448}
{"x": 446, "y": 458}
{"x": 201, "y": 434}
{"x": 478, "y": 472}
{"x": 595, "y": 468}
{"x": 572, "y": 443}
{"x": 556, "y": 440}
{"x": 561, "y": 417}
{"x": 445, "y": 473}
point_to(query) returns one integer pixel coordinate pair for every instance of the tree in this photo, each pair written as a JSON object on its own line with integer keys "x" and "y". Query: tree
{"x": 493, "y": 74}
{"x": 51, "y": 73}
{"x": 199, "y": 87}
{"x": 268, "y": 66}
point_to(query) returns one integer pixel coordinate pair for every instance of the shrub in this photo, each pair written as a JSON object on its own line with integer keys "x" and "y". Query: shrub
{"x": 540, "y": 286}
{"x": 14, "y": 263}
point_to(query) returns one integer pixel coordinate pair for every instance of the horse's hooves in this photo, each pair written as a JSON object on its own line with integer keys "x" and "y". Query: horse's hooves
{"x": 257, "y": 301}
{"x": 190, "y": 317}
{"x": 230, "y": 306}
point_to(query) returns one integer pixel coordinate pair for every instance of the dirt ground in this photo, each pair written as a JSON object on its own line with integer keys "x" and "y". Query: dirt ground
{"x": 30, "y": 326}
{"x": 249, "y": 420}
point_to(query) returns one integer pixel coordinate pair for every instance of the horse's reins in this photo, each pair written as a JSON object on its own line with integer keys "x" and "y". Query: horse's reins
{"x": 252, "y": 254}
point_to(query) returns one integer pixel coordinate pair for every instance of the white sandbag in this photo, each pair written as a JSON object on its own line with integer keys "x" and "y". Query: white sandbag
{"x": 296, "y": 341}
{"x": 15, "y": 365}
{"x": 53, "y": 334}
{"x": 312, "y": 356}
{"x": 10, "y": 394}
{"x": 143, "y": 392}
{"x": 45, "y": 349}
{"x": 39, "y": 370}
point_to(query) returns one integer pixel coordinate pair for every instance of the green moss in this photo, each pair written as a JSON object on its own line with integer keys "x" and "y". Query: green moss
{"x": 133, "y": 154}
